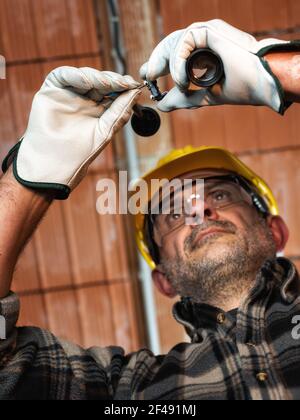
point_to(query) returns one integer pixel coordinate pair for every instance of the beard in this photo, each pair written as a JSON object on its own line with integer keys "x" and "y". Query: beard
{"x": 220, "y": 266}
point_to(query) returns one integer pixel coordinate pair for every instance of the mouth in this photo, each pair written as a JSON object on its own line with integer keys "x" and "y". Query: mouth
{"x": 206, "y": 234}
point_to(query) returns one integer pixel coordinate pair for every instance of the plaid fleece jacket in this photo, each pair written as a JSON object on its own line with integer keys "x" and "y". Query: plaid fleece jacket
{"x": 255, "y": 357}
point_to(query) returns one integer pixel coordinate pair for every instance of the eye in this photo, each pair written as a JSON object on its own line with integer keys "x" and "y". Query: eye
{"x": 174, "y": 218}
{"x": 220, "y": 196}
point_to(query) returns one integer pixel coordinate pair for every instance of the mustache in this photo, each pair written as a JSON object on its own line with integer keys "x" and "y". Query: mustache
{"x": 224, "y": 225}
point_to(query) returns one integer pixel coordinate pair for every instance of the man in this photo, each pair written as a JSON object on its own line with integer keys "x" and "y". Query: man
{"x": 238, "y": 300}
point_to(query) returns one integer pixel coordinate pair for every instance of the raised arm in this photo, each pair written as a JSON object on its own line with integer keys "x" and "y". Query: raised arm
{"x": 286, "y": 66}
{"x": 70, "y": 123}
{"x": 248, "y": 79}
{"x": 21, "y": 209}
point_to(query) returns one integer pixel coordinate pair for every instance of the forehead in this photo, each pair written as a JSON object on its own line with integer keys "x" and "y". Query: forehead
{"x": 204, "y": 173}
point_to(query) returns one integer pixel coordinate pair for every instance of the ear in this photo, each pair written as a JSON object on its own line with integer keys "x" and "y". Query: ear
{"x": 279, "y": 230}
{"x": 162, "y": 283}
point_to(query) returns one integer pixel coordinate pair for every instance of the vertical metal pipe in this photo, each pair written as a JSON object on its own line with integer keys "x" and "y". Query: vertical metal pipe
{"x": 134, "y": 173}
{"x": 144, "y": 270}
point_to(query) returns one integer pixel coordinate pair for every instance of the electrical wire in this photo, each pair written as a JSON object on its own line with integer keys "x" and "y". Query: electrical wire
{"x": 115, "y": 22}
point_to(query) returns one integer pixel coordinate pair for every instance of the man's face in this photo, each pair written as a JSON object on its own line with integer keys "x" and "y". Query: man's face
{"x": 204, "y": 266}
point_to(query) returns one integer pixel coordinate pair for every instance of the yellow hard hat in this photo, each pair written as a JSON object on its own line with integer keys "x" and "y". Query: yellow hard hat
{"x": 180, "y": 161}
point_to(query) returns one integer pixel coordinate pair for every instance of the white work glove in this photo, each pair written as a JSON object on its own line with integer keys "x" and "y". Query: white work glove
{"x": 69, "y": 125}
{"x": 248, "y": 78}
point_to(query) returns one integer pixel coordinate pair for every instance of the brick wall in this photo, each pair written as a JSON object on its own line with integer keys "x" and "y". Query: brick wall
{"x": 76, "y": 276}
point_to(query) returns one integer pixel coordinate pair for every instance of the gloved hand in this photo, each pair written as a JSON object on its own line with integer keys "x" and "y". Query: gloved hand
{"x": 70, "y": 123}
{"x": 248, "y": 78}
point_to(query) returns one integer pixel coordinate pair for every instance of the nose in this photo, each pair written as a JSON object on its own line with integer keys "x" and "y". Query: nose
{"x": 210, "y": 212}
